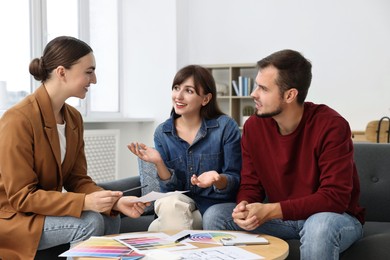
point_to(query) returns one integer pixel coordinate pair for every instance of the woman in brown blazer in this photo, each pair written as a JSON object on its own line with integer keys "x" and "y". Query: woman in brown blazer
{"x": 42, "y": 152}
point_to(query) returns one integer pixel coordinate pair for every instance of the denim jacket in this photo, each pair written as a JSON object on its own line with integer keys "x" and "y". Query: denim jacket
{"x": 216, "y": 147}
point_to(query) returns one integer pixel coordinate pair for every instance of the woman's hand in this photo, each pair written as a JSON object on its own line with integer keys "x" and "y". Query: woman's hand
{"x": 130, "y": 209}
{"x": 209, "y": 178}
{"x": 145, "y": 153}
{"x": 206, "y": 179}
{"x": 151, "y": 155}
{"x": 101, "y": 201}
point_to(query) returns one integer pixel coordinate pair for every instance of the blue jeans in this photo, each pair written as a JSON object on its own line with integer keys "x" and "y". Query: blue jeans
{"x": 323, "y": 235}
{"x": 63, "y": 230}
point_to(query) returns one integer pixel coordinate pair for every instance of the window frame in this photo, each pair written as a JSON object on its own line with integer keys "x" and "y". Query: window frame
{"x": 38, "y": 38}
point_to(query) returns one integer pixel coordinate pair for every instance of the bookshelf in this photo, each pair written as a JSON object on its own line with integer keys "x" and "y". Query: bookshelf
{"x": 230, "y": 102}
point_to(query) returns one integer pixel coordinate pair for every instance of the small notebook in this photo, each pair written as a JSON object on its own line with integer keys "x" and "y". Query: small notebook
{"x": 244, "y": 241}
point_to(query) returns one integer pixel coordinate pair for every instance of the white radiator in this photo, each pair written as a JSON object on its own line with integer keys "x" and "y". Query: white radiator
{"x": 101, "y": 151}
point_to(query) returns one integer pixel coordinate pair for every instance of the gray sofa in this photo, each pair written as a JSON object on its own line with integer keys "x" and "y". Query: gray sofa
{"x": 373, "y": 164}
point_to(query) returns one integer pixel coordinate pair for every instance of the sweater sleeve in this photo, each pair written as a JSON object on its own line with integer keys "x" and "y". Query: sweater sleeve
{"x": 250, "y": 189}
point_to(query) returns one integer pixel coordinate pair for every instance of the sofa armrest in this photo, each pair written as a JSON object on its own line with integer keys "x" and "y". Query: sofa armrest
{"x": 123, "y": 184}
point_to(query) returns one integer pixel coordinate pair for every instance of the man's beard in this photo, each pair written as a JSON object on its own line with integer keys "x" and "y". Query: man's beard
{"x": 276, "y": 112}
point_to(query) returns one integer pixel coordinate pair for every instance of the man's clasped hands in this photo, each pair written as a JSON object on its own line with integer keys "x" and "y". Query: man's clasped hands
{"x": 249, "y": 216}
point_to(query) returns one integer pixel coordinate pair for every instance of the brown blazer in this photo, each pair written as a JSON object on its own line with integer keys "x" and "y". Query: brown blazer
{"x": 31, "y": 174}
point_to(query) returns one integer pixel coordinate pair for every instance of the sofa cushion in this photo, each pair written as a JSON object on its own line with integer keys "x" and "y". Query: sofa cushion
{"x": 148, "y": 176}
{"x": 371, "y": 247}
{"x": 123, "y": 184}
{"x": 374, "y": 227}
{"x": 51, "y": 253}
{"x": 136, "y": 224}
{"x": 373, "y": 166}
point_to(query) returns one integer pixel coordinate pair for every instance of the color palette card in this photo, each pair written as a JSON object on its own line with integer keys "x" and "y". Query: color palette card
{"x": 149, "y": 242}
{"x": 211, "y": 237}
{"x": 102, "y": 247}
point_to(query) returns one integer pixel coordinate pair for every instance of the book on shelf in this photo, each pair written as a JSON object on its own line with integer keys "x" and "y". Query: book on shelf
{"x": 240, "y": 85}
{"x": 243, "y": 87}
{"x": 235, "y": 87}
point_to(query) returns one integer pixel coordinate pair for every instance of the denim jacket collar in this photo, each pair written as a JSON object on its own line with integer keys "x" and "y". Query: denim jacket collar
{"x": 169, "y": 126}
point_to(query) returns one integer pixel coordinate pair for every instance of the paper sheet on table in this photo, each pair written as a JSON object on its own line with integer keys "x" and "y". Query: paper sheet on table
{"x": 233, "y": 253}
{"x": 154, "y": 195}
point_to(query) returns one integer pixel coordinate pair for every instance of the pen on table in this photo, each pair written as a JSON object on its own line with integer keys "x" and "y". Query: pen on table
{"x": 135, "y": 188}
{"x": 182, "y": 238}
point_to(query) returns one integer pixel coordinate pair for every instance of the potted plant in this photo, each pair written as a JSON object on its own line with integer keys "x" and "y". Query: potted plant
{"x": 247, "y": 111}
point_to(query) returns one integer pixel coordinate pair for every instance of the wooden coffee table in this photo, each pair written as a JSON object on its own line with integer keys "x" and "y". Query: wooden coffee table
{"x": 276, "y": 249}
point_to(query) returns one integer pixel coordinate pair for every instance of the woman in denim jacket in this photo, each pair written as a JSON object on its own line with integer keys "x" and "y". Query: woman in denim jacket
{"x": 196, "y": 150}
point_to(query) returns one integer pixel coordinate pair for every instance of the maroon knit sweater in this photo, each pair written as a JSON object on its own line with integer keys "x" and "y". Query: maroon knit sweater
{"x": 308, "y": 171}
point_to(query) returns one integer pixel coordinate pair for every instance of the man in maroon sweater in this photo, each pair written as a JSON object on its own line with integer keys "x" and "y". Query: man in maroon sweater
{"x": 299, "y": 157}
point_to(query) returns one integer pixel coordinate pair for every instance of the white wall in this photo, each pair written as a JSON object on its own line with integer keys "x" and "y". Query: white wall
{"x": 149, "y": 63}
{"x": 347, "y": 41}
{"x": 148, "y": 39}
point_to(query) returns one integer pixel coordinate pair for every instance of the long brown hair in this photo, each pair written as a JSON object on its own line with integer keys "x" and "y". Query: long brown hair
{"x": 203, "y": 79}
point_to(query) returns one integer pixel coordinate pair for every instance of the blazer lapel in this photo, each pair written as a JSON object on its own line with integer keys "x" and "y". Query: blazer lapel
{"x": 72, "y": 138}
{"x": 49, "y": 122}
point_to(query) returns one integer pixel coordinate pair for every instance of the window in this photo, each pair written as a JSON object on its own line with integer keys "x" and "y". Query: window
{"x": 62, "y": 19}
{"x": 103, "y": 37}
{"x": 94, "y": 21}
{"x": 15, "y": 52}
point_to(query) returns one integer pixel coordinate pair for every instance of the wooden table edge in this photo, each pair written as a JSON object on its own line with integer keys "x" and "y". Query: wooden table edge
{"x": 268, "y": 252}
